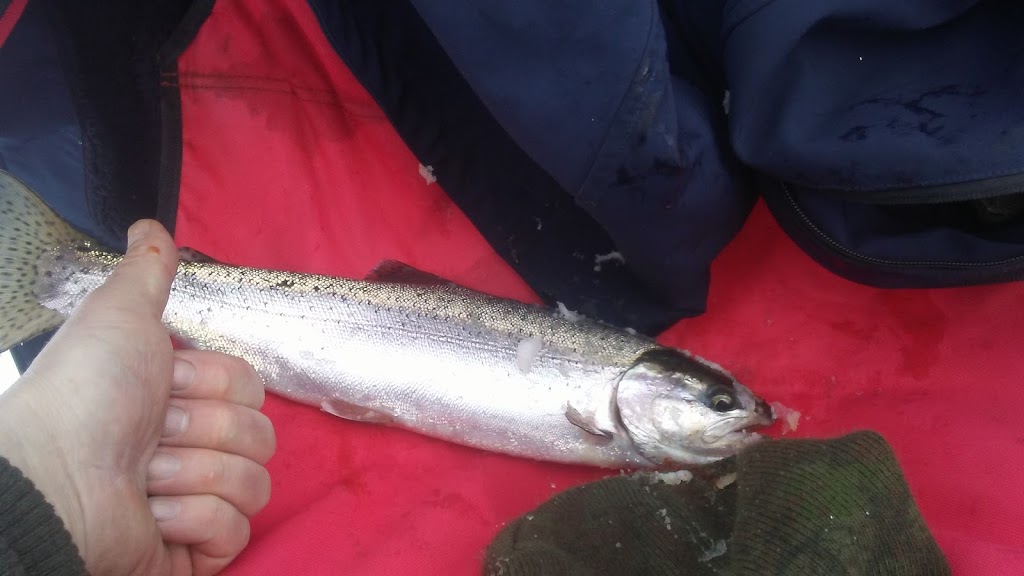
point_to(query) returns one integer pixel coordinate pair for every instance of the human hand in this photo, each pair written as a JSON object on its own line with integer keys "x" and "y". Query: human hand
{"x": 152, "y": 458}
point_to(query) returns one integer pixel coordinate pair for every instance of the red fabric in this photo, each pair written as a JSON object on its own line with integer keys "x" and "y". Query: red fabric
{"x": 289, "y": 164}
{"x": 10, "y": 17}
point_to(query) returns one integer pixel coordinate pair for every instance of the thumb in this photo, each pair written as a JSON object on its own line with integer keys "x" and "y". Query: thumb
{"x": 142, "y": 280}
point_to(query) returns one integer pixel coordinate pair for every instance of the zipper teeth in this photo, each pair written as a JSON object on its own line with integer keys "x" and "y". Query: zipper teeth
{"x": 807, "y": 221}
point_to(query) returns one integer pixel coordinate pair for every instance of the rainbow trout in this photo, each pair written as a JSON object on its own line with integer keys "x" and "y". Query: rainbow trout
{"x": 407, "y": 349}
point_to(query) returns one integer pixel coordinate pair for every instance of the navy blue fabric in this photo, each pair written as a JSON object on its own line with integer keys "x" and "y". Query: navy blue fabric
{"x": 80, "y": 112}
{"x": 570, "y": 130}
{"x": 109, "y": 54}
{"x": 871, "y": 95}
{"x": 899, "y": 246}
{"x": 40, "y": 141}
{"x": 523, "y": 152}
{"x": 877, "y": 125}
{"x": 632, "y": 156}
{"x": 553, "y": 74}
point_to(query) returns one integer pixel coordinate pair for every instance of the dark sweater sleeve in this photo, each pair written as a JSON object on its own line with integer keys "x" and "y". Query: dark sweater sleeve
{"x": 33, "y": 539}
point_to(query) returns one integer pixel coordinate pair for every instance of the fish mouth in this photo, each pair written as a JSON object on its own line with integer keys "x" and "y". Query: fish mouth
{"x": 765, "y": 414}
{"x": 720, "y": 430}
{"x": 740, "y": 427}
{"x": 762, "y": 414}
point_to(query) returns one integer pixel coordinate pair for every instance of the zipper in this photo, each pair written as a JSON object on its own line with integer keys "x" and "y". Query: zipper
{"x": 810, "y": 226}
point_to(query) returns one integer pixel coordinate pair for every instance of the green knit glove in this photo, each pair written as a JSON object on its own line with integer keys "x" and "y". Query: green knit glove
{"x": 781, "y": 507}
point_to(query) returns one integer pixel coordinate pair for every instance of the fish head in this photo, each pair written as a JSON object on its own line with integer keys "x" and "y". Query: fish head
{"x": 682, "y": 410}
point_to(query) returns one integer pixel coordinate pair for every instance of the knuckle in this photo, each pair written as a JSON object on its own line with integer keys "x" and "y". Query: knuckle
{"x": 266, "y": 435}
{"x": 218, "y": 376}
{"x": 226, "y": 428}
{"x": 214, "y": 473}
{"x": 241, "y": 370}
{"x": 222, "y": 514}
{"x": 229, "y": 526}
{"x": 252, "y": 381}
{"x": 211, "y": 518}
{"x": 219, "y": 519}
{"x": 243, "y": 534}
{"x": 246, "y": 384}
{"x": 228, "y": 377}
{"x": 240, "y": 430}
{"x": 259, "y": 392}
{"x": 262, "y": 489}
{"x": 251, "y": 492}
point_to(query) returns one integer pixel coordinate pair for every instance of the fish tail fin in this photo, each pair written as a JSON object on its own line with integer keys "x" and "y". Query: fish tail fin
{"x": 28, "y": 227}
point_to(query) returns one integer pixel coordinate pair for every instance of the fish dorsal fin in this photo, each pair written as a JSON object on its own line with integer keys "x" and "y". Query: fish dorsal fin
{"x": 188, "y": 254}
{"x": 393, "y": 271}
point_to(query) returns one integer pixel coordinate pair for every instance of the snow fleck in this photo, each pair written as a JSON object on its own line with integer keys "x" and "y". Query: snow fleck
{"x": 631, "y": 331}
{"x": 540, "y": 224}
{"x": 614, "y": 256}
{"x": 527, "y": 352}
{"x": 618, "y": 544}
{"x": 529, "y": 517}
{"x": 725, "y": 102}
{"x": 725, "y": 480}
{"x": 790, "y": 417}
{"x": 673, "y": 478}
{"x": 428, "y": 174}
{"x": 716, "y": 550}
{"x": 570, "y": 315}
{"x": 668, "y": 521}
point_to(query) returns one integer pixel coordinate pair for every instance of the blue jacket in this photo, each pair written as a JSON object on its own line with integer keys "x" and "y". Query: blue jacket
{"x": 884, "y": 136}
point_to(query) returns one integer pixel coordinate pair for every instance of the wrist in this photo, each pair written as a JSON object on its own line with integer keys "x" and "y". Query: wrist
{"x": 32, "y": 535}
{"x": 28, "y": 445}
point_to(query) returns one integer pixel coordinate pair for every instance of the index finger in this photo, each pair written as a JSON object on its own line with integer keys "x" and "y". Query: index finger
{"x": 207, "y": 375}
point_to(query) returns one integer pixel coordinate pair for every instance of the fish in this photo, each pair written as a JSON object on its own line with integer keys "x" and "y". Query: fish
{"x": 402, "y": 347}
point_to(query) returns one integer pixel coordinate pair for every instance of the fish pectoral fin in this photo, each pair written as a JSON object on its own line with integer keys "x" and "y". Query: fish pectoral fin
{"x": 402, "y": 273}
{"x": 349, "y": 411}
{"x": 588, "y": 424}
{"x": 192, "y": 255}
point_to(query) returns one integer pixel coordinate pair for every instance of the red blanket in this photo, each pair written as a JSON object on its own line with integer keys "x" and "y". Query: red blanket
{"x": 289, "y": 164}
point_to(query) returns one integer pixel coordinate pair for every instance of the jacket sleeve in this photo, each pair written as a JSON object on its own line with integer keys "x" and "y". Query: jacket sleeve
{"x": 33, "y": 539}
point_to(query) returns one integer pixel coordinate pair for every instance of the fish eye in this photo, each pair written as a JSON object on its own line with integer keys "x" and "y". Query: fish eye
{"x": 722, "y": 402}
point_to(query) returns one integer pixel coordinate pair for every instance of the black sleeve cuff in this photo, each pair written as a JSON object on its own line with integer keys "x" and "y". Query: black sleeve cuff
{"x": 33, "y": 539}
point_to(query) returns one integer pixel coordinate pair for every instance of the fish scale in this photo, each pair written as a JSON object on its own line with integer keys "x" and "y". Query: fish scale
{"x": 411, "y": 350}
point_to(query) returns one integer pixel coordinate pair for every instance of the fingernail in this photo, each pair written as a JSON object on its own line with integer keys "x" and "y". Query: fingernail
{"x": 137, "y": 231}
{"x": 184, "y": 372}
{"x": 176, "y": 421}
{"x": 163, "y": 466}
{"x": 164, "y": 508}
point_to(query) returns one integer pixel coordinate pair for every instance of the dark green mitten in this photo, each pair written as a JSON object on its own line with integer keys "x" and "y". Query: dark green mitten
{"x": 782, "y": 507}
